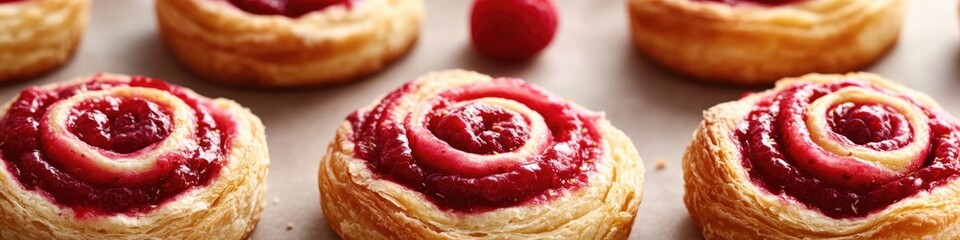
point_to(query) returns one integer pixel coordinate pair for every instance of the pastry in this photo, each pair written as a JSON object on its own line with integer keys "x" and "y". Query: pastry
{"x": 119, "y": 157}
{"x": 826, "y": 156}
{"x": 749, "y": 42}
{"x": 288, "y": 43}
{"x": 458, "y": 154}
{"x": 39, "y": 35}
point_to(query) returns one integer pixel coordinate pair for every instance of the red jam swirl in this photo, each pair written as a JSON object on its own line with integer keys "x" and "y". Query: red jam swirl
{"x": 117, "y": 125}
{"x": 480, "y": 128}
{"x": 753, "y": 2}
{"x": 10, "y": 1}
{"x": 289, "y": 8}
{"x": 875, "y": 126}
{"x": 772, "y": 163}
{"x": 396, "y": 152}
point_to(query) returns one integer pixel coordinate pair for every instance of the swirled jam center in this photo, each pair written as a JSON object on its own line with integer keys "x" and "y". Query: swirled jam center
{"x": 289, "y": 8}
{"x": 10, "y": 1}
{"x": 480, "y": 128}
{"x": 904, "y": 155}
{"x": 119, "y": 124}
{"x": 876, "y": 126}
{"x": 118, "y": 127}
{"x": 485, "y": 145}
{"x": 753, "y": 2}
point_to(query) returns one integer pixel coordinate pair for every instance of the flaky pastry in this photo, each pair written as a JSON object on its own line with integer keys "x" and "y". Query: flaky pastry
{"x": 458, "y": 154}
{"x": 850, "y": 156}
{"x": 39, "y": 35}
{"x": 746, "y": 42}
{"x": 223, "y": 43}
{"x": 119, "y": 157}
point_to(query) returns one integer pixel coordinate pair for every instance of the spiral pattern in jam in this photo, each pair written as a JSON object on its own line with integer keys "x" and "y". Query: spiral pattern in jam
{"x": 847, "y": 148}
{"x": 478, "y": 146}
{"x": 112, "y": 144}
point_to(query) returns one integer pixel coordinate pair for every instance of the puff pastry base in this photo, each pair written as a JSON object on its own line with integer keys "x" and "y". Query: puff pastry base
{"x": 224, "y": 44}
{"x": 228, "y": 208}
{"x": 725, "y": 204}
{"x": 750, "y": 45}
{"x": 38, "y": 36}
{"x": 360, "y": 205}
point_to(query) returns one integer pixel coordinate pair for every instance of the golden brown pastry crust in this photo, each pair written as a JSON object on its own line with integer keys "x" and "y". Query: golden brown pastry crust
{"x": 224, "y": 44}
{"x": 725, "y": 204}
{"x": 360, "y": 205}
{"x": 748, "y": 45}
{"x": 39, "y": 35}
{"x": 228, "y": 208}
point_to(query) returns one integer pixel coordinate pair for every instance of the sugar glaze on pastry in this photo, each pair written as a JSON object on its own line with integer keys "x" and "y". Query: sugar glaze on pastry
{"x": 457, "y": 154}
{"x": 120, "y": 157}
{"x": 850, "y": 156}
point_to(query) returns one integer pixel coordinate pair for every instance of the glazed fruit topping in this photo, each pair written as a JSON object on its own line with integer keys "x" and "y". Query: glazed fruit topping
{"x": 473, "y": 154}
{"x": 873, "y": 125}
{"x": 289, "y": 8}
{"x": 512, "y": 30}
{"x": 122, "y": 125}
{"x": 481, "y": 128}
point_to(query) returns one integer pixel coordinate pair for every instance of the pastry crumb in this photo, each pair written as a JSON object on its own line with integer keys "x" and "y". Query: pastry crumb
{"x": 276, "y": 200}
{"x": 289, "y": 226}
{"x": 661, "y": 164}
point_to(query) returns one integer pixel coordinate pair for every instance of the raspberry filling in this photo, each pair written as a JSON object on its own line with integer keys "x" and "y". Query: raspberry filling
{"x": 479, "y": 147}
{"x": 289, "y": 8}
{"x": 875, "y": 126}
{"x": 119, "y": 124}
{"x": 841, "y": 185}
{"x": 480, "y": 128}
{"x": 116, "y": 127}
{"x": 10, "y": 1}
{"x": 753, "y": 2}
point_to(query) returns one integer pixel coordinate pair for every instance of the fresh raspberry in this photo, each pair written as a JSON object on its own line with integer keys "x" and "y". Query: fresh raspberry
{"x": 512, "y": 30}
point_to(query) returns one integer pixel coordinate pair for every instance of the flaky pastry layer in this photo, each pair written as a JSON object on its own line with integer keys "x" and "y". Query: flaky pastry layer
{"x": 725, "y": 204}
{"x": 748, "y": 45}
{"x": 228, "y": 208}
{"x": 359, "y": 204}
{"x": 224, "y": 44}
{"x": 39, "y": 35}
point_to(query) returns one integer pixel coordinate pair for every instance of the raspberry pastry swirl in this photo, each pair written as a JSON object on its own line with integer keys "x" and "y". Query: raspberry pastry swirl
{"x": 287, "y": 43}
{"x": 747, "y": 42}
{"x": 120, "y": 157}
{"x": 39, "y": 35}
{"x": 457, "y": 154}
{"x": 837, "y": 156}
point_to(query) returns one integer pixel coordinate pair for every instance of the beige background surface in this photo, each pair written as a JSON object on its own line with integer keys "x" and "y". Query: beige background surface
{"x": 590, "y": 61}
